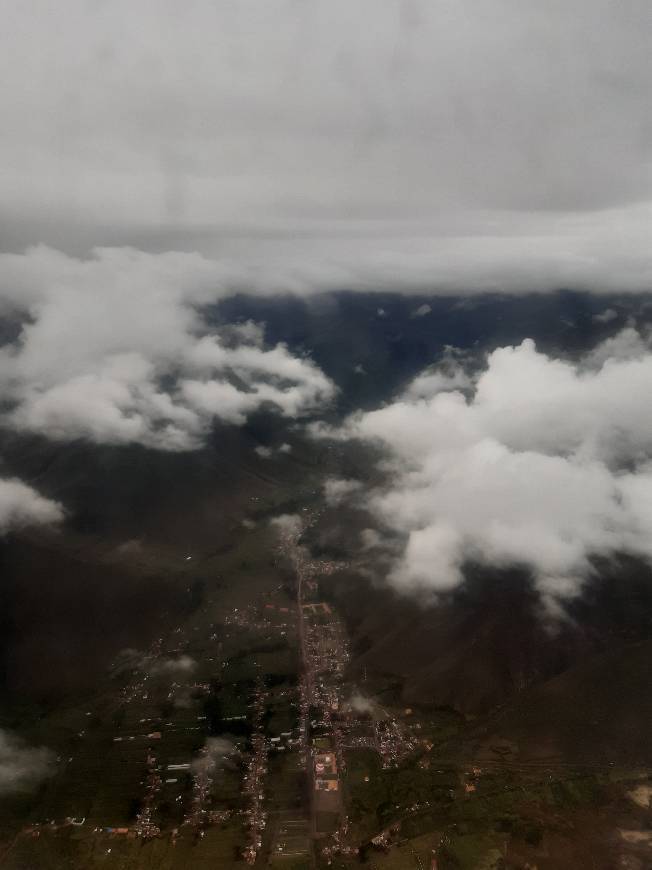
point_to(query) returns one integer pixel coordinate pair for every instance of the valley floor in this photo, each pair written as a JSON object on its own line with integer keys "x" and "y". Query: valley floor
{"x": 265, "y": 751}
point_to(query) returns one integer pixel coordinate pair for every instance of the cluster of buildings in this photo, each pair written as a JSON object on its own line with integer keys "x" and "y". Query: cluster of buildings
{"x": 324, "y": 726}
{"x": 393, "y": 742}
{"x": 253, "y": 781}
{"x": 337, "y": 845}
{"x": 202, "y": 784}
{"x": 145, "y": 826}
{"x": 325, "y": 772}
{"x": 327, "y": 646}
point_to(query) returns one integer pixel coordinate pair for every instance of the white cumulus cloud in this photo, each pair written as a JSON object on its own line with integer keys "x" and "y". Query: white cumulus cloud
{"x": 20, "y": 505}
{"x": 546, "y": 464}
{"x": 115, "y": 349}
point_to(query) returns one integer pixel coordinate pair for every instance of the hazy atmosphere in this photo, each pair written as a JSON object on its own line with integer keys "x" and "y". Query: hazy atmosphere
{"x": 325, "y": 434}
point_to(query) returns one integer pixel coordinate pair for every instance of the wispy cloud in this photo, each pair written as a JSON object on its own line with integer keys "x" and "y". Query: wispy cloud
{"x": 22, "y": 767}
{"x": 337, "y": 490}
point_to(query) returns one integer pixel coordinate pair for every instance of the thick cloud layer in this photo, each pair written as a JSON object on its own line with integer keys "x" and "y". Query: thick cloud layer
{"x": 114, "y": 349}
{"x": 460, "y": 144}
{"x": 20, "y": 506}
{"x": 22, "y": 767}
{"x": 546, "y": 464}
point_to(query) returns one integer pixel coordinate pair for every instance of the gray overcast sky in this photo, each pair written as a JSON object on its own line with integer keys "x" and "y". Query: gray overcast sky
{"x": 349, "y": 140}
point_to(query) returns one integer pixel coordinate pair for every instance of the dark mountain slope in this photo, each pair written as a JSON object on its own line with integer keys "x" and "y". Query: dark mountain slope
{"x": 372, "y": 344}
{"x": 489, "y": 642}
{"x": 599, "y": 711}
